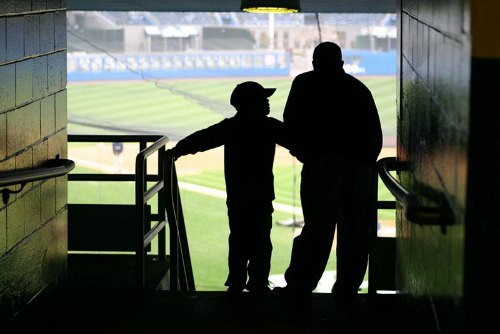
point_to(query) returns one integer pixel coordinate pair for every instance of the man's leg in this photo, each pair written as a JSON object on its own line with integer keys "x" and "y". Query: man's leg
{"x": 354, "y": 229}
{"x": 311, "y": 249}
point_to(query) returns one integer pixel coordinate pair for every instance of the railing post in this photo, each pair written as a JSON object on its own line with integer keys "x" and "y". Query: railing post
{"x": 172, "y": 223}
{"x": 139, "y": 207}
{"x": 184, "y": 254}
{"x": 161, "y": 205}
{"x": 373, "y": 228}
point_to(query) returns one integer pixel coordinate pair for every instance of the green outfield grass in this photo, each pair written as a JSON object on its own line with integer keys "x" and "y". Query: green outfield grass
{"x": 183, "y": 108}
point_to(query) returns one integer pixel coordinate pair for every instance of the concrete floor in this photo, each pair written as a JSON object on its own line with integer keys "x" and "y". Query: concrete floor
{"x": 127, "y": 311}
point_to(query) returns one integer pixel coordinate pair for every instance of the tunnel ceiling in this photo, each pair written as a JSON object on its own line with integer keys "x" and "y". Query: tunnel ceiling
{"x": 308, "y": 6}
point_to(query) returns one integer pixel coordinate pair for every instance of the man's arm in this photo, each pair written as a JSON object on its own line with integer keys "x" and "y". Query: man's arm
{"x": 375, "y": 127}
{"x": 284, "y": 137}
{"x": 292, "y": 101}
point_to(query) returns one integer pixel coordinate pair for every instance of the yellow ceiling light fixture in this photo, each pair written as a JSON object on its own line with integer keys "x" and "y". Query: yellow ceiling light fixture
{"x": 270, "y": 6}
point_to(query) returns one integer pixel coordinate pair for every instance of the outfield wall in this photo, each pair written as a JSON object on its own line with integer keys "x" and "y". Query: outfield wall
{"x": 93, "y": 67}
{"x": 361, "y": 62}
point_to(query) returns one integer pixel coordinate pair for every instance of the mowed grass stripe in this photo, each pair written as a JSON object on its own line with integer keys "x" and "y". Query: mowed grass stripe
{"x": 143, "y": 104}
{"x": 217, "y": 184}
{"x": 114, "y": 103}
{"x": 113, "y": 89}
{"x": 216, "y": 91}
{"x": 146, "y": 111}
{"x": 149, "y": 108}
{"x": 373, "y": 81}
{"x": 103, "y": 89}
{"x": 114, "y": 92}
{"x": 174, "y": 105}
{"x": 386, "y": 101}
{"x": 200, "y": 118}
{"x": 117, "y": 108}
{"x": 220, "y": 89}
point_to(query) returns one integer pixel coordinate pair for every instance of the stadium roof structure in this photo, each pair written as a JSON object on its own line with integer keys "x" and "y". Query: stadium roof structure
{"x": 309, "y": 6}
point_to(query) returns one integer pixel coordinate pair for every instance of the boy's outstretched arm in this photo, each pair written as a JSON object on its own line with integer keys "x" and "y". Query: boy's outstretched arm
{"x": 172, "y": 154}
{"x": 201, "y": 140}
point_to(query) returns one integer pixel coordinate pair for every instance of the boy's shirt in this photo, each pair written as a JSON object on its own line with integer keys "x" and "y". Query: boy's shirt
{"x": 249, "y": 148}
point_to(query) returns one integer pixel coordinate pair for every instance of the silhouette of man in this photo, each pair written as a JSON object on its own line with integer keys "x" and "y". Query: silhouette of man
{"x": 249, "y": 140}
{"x": 341, "y": 138}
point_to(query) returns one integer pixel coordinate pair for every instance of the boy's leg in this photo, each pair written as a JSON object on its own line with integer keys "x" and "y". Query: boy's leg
{"x": 237, "y": 254}
{"x": 260, "y": 249}
{"x": 237, "y": 263}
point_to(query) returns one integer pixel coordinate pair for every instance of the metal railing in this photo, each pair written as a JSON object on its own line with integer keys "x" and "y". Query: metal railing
{"x": 414, "y": 211}
{"x": 180, "y": 259}
{"x": 144, "y": 194}
{"x": 49, "y": 169}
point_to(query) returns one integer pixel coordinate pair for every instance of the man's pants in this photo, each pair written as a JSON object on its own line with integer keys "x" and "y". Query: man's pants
{"x": 334, "y": 194}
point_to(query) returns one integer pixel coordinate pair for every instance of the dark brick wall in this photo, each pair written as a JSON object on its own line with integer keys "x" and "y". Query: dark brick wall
{"x": 32, "y": 129}
{"x": 433, "y": 126}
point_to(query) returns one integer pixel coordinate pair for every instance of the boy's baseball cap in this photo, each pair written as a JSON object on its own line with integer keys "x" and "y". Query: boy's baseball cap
{"x": 248, "y": 91}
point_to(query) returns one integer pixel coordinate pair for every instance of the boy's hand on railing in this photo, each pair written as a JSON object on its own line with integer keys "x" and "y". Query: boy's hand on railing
{"x": 171, "y": 153}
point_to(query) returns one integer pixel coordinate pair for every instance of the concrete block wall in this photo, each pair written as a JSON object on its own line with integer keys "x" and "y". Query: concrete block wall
{"x": 433, "y": 130}
{"x": 33, "y": 224}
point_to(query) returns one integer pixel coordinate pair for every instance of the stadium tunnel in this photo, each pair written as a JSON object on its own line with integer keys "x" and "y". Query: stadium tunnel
{"x": 448, "y": 111}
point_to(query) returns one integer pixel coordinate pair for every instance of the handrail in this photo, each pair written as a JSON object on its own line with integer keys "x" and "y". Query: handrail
{"x": 181, "y": 274}
{"x": 142, "y": 195}
{"x": 113, "y": 138}
{"x": 414, "y": 211}
{"x": 182, "y": 277}
{"x": 49, "y": 169}
{"x": 141, "y": 139}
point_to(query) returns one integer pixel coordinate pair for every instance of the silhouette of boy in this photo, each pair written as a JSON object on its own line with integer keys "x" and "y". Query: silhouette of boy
{"x": 249, "y": 140}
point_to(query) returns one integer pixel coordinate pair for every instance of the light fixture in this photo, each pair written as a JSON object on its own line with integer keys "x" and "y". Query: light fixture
{"x": 270, "y": 6}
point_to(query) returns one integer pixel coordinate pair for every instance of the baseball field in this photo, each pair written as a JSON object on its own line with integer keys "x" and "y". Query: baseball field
{"x": 175, "y": 109}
